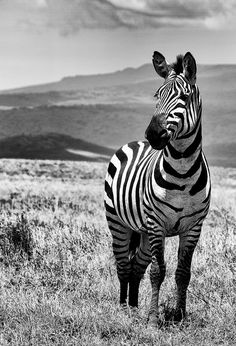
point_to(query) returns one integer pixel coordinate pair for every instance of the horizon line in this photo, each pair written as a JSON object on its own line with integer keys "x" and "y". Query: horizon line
{"x": 96, "y": 75}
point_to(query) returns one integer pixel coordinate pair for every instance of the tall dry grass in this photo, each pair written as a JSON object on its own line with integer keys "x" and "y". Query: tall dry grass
{"x": 58, "y": 277}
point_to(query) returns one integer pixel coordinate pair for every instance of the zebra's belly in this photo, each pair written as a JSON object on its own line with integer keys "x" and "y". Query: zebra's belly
{"x": 177, "y": 214}
{"x": 174, "y": 217}
{"x": 174, "y": 213}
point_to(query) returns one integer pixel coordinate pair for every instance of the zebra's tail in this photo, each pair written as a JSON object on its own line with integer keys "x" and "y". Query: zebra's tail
{"x": 134, "y": 244}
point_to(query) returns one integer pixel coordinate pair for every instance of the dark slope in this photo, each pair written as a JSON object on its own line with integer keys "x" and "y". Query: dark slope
{"x": 52, "y": 146}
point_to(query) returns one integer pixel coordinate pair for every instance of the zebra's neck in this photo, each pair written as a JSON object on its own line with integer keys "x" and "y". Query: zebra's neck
{"x": 182, "y": 157}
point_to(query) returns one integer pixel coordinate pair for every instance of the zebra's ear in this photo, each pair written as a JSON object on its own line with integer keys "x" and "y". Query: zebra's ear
{"x": 160, "y": 64}
{"x": 190, "y": 68}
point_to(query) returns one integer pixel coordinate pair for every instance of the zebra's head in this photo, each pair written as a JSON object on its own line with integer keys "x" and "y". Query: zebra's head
{"x": 178, "y": 102}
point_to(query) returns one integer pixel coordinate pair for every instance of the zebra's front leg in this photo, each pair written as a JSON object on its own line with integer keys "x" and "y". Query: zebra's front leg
{"x": 157, "y": 273}
{"x": 187, "y": 245}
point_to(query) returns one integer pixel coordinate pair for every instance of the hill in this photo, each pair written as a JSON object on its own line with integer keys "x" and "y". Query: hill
{"x": 110, "y": 110}
{"x": 119, "y": 78}
{"x": 52, "y": 146}
{"x": 126, "y": 76}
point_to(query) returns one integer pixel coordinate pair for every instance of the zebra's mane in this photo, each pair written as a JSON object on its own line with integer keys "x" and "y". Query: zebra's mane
{"x": 178, "y": 65}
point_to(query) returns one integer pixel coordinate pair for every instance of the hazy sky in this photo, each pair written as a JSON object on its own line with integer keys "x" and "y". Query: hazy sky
{"x": 45, "y": 40}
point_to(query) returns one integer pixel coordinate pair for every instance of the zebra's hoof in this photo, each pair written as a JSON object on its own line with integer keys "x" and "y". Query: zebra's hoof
{"x": 179, "y": 315}
{"x": 133, "y": 312}
{"x": 153, "y": 322}
{"x": 124, "y": 307}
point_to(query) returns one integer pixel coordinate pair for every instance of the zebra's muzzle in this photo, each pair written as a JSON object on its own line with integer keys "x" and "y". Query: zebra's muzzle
{"x": 156, "y": 133}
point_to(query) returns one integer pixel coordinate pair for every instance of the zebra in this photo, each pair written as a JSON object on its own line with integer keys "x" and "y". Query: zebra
{"x": 160, "y": 188}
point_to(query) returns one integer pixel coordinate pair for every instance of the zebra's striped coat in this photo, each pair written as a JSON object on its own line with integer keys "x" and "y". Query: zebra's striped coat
{"x": 139, "y": 177}
{"x": 160, "y": 190}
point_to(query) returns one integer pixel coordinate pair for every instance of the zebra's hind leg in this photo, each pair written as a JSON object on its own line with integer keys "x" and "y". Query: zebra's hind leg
{"x": 157, "y": 273}
{"x": 187, "y": 245}
{"x": 139, "y": 261}
{"x": 121, "y": 242}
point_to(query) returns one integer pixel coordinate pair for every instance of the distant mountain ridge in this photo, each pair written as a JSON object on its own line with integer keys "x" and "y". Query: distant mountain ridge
{"x": 123, "y": 77}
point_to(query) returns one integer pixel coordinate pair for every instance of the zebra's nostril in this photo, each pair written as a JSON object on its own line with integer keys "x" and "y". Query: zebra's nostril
{"x": 162, "y": 133}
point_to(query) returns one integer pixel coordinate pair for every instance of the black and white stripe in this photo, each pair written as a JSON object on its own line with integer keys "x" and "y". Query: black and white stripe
{"x": 160, "y": 188}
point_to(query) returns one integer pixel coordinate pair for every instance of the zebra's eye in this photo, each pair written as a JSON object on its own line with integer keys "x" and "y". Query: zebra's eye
{"x": 184, "y": 96}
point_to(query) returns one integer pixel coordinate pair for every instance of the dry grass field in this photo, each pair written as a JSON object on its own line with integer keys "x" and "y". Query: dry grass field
{"x": 58, "y": 277}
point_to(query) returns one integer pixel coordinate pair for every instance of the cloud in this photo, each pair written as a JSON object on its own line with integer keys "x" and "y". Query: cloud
{"x": 78, "y": 14}
{"x": 28, "y": 3}
{"x": 69, "y": 16}
{"x": 41, "y": 3}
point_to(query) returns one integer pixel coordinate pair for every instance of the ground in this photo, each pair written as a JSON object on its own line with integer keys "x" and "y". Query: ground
{"x": 58, "y": 277}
